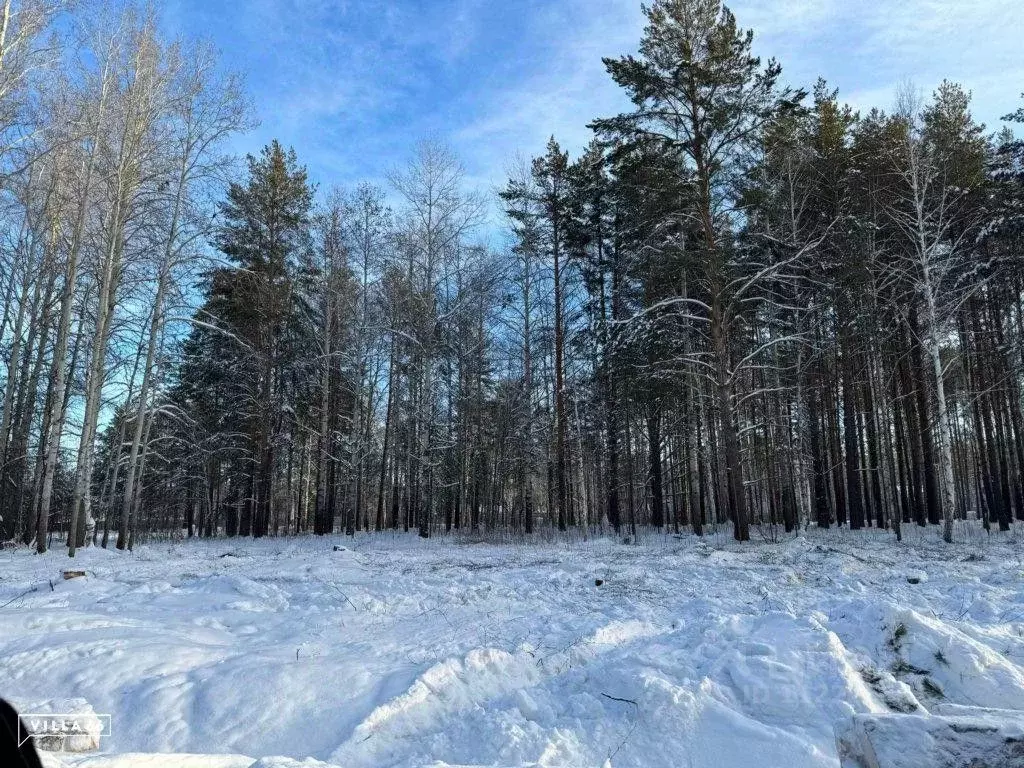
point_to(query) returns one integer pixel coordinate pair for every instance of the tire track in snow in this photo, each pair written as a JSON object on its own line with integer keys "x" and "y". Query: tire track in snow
{"x": 460, "y": 684}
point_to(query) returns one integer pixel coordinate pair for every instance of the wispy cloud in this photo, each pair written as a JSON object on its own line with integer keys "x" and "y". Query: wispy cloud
{"x": 561, "y": 88}
{"x": 352, "y": 84}
{"x": 867, "y": 48}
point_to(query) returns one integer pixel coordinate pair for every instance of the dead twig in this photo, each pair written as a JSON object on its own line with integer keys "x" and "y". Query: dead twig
{"x": 26, "y": 592}
{"x": 624, "y": 701}
{"x": 338, "y": 590}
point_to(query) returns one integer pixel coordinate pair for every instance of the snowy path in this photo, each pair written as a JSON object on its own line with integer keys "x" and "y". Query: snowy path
{"x": 407, "y": 653}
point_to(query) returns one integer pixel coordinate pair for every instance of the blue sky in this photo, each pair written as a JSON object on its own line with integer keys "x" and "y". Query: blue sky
{"x": 353, "y": 84}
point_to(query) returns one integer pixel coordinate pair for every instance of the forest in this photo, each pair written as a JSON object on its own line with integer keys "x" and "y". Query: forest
{"x": 745, "y": 307}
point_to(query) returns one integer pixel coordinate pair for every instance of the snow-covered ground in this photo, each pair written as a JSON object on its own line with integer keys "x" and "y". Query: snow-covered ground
{"x": 399, "y": 652}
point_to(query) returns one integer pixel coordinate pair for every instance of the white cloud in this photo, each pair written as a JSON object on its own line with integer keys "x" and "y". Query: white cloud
{"x": 869, "y": 47}
{"x": 354, "y": 83}
{"x": 564, "y": 89}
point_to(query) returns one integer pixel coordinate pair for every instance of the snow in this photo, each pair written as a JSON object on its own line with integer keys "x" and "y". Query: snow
{"x": 983, "y": 739}
{"x": 392, "y": 651}
{"x": 79, "y": 733}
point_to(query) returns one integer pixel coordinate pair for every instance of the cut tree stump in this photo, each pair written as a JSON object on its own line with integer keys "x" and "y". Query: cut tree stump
{"x": 981, "y": 738}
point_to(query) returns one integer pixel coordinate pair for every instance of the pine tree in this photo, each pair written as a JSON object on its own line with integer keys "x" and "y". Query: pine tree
{"x": 265, "y": 233}
{"x": 700, "y": 93}
{"x": 548, "y": 197}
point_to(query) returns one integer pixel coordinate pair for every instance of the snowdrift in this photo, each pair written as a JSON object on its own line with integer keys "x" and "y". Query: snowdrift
{"x": 397, "y": 652}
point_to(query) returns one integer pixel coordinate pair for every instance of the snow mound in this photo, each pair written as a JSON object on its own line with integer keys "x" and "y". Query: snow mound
{"x": 944, "y": 664}
{"x": 403, "y": 653}
{"x": 989, "y": 739}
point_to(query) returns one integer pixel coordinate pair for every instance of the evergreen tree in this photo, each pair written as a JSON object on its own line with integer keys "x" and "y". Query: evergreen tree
{"x": 265, "y": 234}
{"x": 701, "y": 94}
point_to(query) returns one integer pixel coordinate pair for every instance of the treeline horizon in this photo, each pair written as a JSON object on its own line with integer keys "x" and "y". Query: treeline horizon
{"x": 743, "y": 305}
